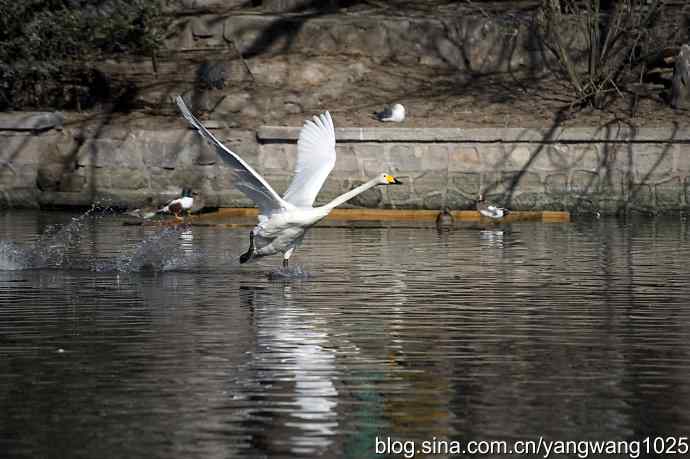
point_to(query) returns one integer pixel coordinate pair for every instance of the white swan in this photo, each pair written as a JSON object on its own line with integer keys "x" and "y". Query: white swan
{"x": 284, "y": 221}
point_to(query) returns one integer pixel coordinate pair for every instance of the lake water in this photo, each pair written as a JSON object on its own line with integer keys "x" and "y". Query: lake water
{"x": 128, "y": 341}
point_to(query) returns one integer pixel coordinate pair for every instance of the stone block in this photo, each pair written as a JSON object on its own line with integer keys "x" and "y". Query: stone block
{"x": 373, "y": 151}
{"x": 129, "y": 179}
{"x": 523, "y": 181}
{"x": 114, "y": 153}
{"x": 511, "y": 181}
{"x": 556, "y": 183}
{"x": 18, "y": 176}
{"x": 208, "y": 28}
{"x": 496, "y": 157}
{"x": 20, "y": 197}
{"x": 584, "y": 182}
{"x": 276, "y": 160}
{"x": 669, "y": 194}
{"x": 20, "y": 148}
{"x": 49, "y": 176}
{"x": 345, "y": 161}
{"x": 458, "y": 201}
{"x": 526, "y": 201}
{"x": 374, "y": 167}
{"x": 434, "y": 200}
{"x": 467, "y": 183}
{"x": 233, "y": 103}
{"x": 162, "y": 180}
{"x": 72, "y": 182}
{"x": 464, "y": 158}
{"x": 162, "y": 154}
{"x": 405, "y": 158}
{"x": 435, "y": 158}
{"x": 652, "y": 162}
{"x": 588, "y": 157}
{"x": 401, "y": 195}
{"x": 641, "y": 196}
{"x": 211, "y": 5}
{"x": 31, "y": 121}
{"x": 532, "y": 157}
{"x": 430, "y": 182}
{"x": 561, "y": 157}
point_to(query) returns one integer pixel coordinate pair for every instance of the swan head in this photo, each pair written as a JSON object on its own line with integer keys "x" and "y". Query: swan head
{"x": 387, "y": 179}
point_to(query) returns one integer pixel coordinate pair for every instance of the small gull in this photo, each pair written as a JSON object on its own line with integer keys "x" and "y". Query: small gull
{"x": 395, "y": 114}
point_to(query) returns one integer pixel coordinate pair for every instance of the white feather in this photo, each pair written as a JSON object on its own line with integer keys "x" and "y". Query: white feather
{"x": 247, "y": 180}
{"x": 315, "y": 160}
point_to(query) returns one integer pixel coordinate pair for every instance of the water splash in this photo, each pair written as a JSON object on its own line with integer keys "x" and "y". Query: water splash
{"x": 289, "y": 273}
{"x": 52, "y": 249}
{"x": 167, "y": 249}
{"x": 160, "y": 251}
{"x": 14, "y": 257}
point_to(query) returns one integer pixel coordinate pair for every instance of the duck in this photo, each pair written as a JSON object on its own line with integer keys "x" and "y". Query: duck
{"x": 445, "y": 220}
{"x": 177, "y": 206}
{"x": 394, "y": 114}
{"x": 489, "y": 210}
{"x": 284, "y": 221}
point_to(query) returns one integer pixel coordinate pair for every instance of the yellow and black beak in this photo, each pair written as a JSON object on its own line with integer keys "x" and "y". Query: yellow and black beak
{"x": 392, "y": 180}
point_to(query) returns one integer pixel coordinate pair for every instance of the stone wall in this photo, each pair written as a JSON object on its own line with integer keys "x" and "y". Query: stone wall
{"x": 610, "y": 170}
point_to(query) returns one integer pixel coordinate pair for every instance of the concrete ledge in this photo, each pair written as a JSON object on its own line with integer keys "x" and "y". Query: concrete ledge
{"x": 27, "y": 121}
{"x": 509, "y": 135}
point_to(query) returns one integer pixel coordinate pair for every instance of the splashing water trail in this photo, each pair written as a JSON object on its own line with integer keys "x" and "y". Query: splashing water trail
{"x": 167, "y": 249}
{"x": 290, "y": 273}
{"x": 159, "y": 251}
{"x": 52, "y": 248}
{"x": 13, "y": 256}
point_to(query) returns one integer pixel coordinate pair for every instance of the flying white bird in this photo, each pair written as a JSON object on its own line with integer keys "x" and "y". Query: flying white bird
{"x": 395, "y": 114}
{"x": 489, "y": 210}
{"x": 284, "y": 221}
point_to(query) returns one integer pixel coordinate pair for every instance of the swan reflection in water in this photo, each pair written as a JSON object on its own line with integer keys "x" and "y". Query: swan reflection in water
{"x": 294, "y": 357}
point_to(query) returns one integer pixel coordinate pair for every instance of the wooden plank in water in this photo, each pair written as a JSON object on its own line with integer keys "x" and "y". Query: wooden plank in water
{"x": 404, "y": 214}
{"x": 224, "y": 214}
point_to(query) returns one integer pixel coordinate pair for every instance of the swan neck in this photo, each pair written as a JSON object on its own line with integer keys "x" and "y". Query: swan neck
{"x": 352, "y": 193}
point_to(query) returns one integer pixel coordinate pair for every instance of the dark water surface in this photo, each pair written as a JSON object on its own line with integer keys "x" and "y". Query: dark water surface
{"x": 125, "y": 341}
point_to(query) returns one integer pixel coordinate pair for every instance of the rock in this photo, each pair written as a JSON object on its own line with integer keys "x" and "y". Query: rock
{"x": 49, "y": 176}
{"x": 680, "y": 91}
{"x": 28, "y": 121}
{"x": 211, "y": 5}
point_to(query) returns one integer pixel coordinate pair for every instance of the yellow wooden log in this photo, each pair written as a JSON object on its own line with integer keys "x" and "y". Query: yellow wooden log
{"x": 221, "y": 216}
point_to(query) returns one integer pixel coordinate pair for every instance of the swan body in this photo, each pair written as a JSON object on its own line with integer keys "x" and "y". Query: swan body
{"x": 489, "y": 210}
{"x": 283, "y": 221}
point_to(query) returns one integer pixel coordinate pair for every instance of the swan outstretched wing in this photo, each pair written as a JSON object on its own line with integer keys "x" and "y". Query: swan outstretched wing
{"x": 315, "y": 160}
{"x": 246, "y": 179}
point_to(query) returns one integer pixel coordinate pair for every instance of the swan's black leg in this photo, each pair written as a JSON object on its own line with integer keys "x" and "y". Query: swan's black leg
{"x": 285, "y": 263}
{"x": 245, "y": 257}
